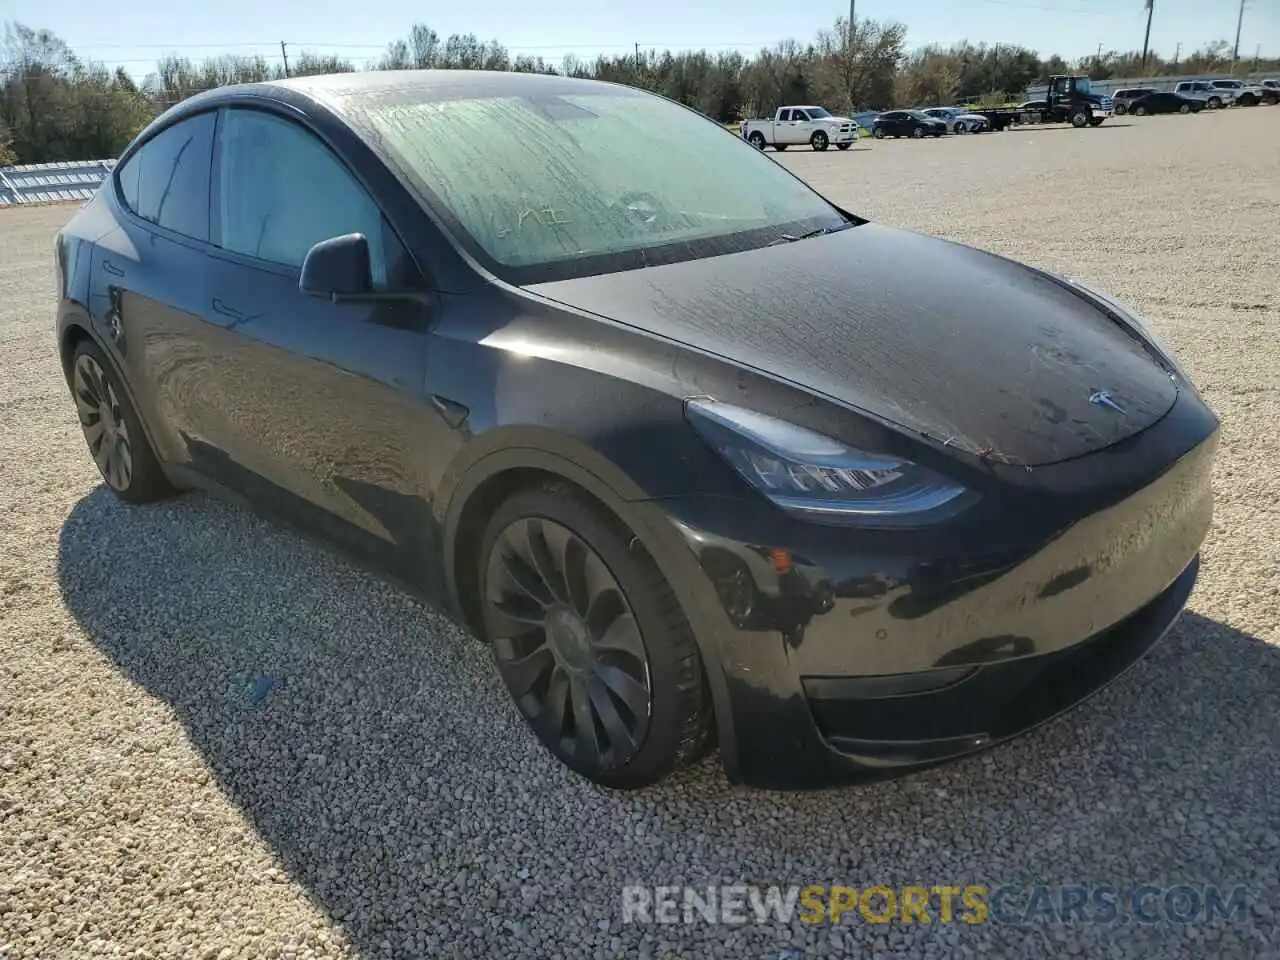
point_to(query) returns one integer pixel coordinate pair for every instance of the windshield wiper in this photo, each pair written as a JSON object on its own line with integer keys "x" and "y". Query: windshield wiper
{"x": 792, "y": 238}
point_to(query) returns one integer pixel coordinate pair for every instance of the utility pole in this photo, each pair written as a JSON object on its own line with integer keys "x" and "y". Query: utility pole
{"x": 637, "y": 58}
{"x": 284, "y": 55}
{"x": 1257, "y": 55}
{"x": 1177, "y": 55}
{"x": 1146, "y": 40}
{"x": 852, "y": 21}
{"x": 1235, "y": 54}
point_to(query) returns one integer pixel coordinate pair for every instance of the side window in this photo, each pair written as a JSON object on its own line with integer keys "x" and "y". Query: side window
{"x": 799, "y": 115}
{"x": 167, "y": 180}
{"x": 281, "y": 191}
{"x": 784, "y": 115}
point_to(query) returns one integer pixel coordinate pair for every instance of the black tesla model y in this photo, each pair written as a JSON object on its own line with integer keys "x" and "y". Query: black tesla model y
{"x": 679, "y": 438}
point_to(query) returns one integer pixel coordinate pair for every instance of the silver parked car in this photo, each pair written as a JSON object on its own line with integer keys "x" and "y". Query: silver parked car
{"x": 958, "y": 121}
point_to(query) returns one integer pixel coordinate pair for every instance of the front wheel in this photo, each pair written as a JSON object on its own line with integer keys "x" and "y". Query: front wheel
{"x": 1185, "y": 108}
{"x": 780, "y": 147}
{"x": 1080, "y": 118}
{"x": 1121, "y": 109}
{"x": 1139, "y": 111}
{"x": 113, "y": 431}
{"x": 590, "y": 640}
{"x": 756, "y": 140}
{"x": 819, "y": 141}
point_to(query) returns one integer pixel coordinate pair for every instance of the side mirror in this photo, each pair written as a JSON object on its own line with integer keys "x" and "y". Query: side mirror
{"x": 338, "y": 268}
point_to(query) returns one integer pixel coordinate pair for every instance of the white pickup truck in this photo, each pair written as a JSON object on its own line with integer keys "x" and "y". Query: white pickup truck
{"x": 791, "y": 126}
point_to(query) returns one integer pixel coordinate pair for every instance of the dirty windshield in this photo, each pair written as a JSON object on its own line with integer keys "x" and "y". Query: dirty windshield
{"x": 569, "y": 185}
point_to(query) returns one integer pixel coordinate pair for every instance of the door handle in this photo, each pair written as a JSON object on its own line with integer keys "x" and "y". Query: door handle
{"x": 224, "y": 308}
{"x": 112, "y": 269}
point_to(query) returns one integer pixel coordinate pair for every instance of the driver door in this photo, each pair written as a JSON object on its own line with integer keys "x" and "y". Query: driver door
{"x": 320, "y": 410}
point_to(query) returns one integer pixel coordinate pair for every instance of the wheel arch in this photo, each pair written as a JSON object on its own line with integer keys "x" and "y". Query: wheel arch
{"x": 75, "y": 327}
{"x": 491, "y": 475}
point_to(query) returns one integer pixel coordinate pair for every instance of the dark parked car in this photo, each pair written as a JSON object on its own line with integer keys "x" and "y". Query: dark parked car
{"x": 1164, "y": 102}
{"x": 1122, "y": 98}
{"x": 646, "y": 412}
{"x": 907, "y": 123}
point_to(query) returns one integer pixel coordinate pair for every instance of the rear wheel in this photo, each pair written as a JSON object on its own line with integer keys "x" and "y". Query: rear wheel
{"x": 918, "y": 132}
{"x": 1096, "y": 121}
{"x": 1139, "y": 111}
{"x": 843, "y": 146}
{"x": 1185, "y": 108}
{"x": 113, "y": 431}
{"x": 1121, "y": 109}
{"x": 590, "y": 641}
{"x": 819, "y": 141}
{"x": 877, "y": 132}
{"x": 1215, "y": 103}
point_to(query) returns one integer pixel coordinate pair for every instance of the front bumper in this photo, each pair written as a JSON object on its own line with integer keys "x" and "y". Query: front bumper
{"x": 845, "y": 655}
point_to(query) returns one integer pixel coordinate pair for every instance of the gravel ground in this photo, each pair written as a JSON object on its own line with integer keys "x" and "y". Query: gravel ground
{"x": 220, "y": 740}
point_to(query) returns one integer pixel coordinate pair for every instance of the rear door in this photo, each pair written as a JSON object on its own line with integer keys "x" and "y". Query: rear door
{"x": 320, "y": 409}
{"x": 147, "y": 285}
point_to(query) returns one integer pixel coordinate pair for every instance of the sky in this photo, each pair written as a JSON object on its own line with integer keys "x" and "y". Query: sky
{"x": 134, "y": 33}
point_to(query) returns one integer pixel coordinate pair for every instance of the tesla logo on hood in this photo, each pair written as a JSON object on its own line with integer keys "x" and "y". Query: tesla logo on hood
{"x": 1101, "y": 398}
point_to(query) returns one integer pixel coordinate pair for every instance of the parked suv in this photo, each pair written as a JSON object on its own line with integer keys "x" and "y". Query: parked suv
{"x": 1247, "y": 94}
{"x": 1122, "y": 98}
{"x": 1213, "y": 97}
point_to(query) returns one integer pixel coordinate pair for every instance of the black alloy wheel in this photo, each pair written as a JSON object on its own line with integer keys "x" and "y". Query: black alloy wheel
{"x": 571, "y": 653}
{"x": 102, "y": 421}
{"x": 589, "y": 640}
{"x": 819, "y": 141}
{"x": 112, "y": 430}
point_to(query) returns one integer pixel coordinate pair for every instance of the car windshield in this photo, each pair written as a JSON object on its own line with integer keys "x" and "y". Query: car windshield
{"x": 815, "y": 112}
{"x": 1083, "y": 85}
{"x": 551, "y": 186}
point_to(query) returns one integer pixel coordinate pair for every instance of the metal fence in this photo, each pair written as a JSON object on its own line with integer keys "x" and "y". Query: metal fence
{"x": 46, "y": 182}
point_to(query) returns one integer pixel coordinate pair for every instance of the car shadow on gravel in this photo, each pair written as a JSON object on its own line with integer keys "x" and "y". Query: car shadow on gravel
{"x": 371, "y": 746}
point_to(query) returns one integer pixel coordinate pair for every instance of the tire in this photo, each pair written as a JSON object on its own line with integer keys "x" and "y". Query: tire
{"x": 1080, "y": 118}
{"x": 1185, "y": 108}
{"x": 780, "y": 147}
{"x": 1247, "y": 100}
{"x": 843, "y": 146}
{"x": 1097, "y": 121}
{"x": 625, "y": 714}
{"x": 756, "y": 139}
{"x": 918, "y": 133}
{"x": 1215, "y": 103}
{"x": 819, "y": 141}
{"x": 112, "y": 429}
{"x": 877, "y": 132}
{"x": 1139, "y": 111}
{"x": 1120, "y": 110}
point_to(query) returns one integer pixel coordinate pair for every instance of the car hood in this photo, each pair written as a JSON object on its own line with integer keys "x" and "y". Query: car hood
{"x": 942, "y": 339}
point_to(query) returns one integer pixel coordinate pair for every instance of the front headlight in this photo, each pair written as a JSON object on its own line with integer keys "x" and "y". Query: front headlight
{"x": 817, "y": 477}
